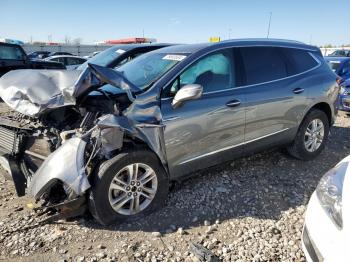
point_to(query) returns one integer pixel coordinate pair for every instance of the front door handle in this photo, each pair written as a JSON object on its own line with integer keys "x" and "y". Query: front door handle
{"x": 298, "y": 90}
{"x": 233, "y": 103}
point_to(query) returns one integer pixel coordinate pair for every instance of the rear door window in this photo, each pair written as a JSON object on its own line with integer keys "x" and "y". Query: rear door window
{"x": 263, "y": 64}
{"x": 59, "y": 59}
{"x": 74, "y": 61}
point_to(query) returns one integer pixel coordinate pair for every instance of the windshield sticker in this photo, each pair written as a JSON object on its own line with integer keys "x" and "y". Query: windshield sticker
{"x": 174, "y": 57}
{"x": 120, "y": 51}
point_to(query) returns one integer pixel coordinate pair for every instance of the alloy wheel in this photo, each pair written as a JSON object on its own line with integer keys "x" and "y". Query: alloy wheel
{"x": 132, "y": 189}
{"x": 314, "y": 135}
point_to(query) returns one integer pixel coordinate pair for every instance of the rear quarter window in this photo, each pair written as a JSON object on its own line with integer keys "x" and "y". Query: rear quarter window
{"x": 298, "y": 60}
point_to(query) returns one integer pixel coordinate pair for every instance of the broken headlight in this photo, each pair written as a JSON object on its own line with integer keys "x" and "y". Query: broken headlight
{"x": 329, "y": 192}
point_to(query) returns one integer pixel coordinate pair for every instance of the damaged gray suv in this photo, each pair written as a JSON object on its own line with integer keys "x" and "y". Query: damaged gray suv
{"x": 110, "y": 141}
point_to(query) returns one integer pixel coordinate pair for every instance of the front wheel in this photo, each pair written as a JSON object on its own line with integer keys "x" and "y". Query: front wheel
{"x": 128, "y": 186}
{"x": 311, "y": 137}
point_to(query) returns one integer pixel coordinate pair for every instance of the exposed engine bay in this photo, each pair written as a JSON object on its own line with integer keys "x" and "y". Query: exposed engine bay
{"x": 34, "y": 138}
{"x": 53, "y": 147}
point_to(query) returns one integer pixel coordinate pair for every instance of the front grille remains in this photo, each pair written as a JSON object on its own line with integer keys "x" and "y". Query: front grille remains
{"x": 10, "y": 141}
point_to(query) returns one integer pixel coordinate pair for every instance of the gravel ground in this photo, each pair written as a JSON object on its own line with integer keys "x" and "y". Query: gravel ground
{"x": 251, "y": 209}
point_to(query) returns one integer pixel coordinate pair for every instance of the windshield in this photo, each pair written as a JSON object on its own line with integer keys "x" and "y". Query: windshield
{"x": 338, "y": 52}
{"x": 334, "y": 65}
{"x": 11, "y": 53}
{"x": 149, "y": 67}
{"x": 104, "y": 58}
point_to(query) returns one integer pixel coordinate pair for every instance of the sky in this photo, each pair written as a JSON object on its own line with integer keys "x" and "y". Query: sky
{"x": 180, "y": 21}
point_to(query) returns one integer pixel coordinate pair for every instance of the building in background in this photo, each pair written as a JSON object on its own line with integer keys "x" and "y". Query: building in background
{"x": 132, "y": 40}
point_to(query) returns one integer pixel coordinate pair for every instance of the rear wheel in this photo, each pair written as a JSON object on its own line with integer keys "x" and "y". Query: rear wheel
{"x": 311, "y": 137}
{"x": 128, "y": 186}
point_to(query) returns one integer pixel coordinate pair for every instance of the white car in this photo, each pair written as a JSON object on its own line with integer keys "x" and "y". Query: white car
{"x": 92, "y": 54}
{"x": 326, "y": 234}
{"x": 71, "y": 62}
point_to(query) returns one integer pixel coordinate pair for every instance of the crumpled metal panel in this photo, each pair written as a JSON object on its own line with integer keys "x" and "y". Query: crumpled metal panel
{"x": 32, "y": 91}
{"x": 66, "y": 164}
{"x": 145, "y": 125}
{"x": 111, "y": 132}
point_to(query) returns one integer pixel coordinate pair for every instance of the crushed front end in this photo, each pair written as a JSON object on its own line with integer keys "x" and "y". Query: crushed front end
{"x": 41, "y": 160}
{"x": 53, "y": 151}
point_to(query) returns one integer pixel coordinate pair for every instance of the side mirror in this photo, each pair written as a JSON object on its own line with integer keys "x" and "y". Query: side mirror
{"x": 187, "y": 92}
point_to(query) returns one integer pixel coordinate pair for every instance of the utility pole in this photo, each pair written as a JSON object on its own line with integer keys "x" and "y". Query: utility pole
{"x": 268, "y": 28}
{"x": 229, "y": 33}
{"x": 143, "y": 33}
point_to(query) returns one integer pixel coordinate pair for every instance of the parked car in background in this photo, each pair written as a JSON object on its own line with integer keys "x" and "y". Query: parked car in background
{"x": 326, "y": 231}
{"x": 340, "y": 53}
{"x": 180, "y": 109}
{"x": 39, "y": 55}
{"x": 60, "y": 53}
{"x": 92, "y": 54}
{"x": 71, "y": 62}
{"x": 13, "y": 57}
{"x": 339, "y": 65}
{"x": 120, "y": 54}
{"x": 344, "y": 96}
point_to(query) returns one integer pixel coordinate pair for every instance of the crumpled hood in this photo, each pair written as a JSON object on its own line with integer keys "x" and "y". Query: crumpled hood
{"x": 31, "y": 91}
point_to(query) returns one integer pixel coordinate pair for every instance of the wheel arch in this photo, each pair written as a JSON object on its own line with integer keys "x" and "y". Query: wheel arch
{"x": 325, "y": 107}
{"x": 133, "y": 143}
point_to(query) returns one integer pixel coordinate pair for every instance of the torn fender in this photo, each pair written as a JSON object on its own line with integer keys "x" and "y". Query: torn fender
{"x": 151, "y": 134}
{"x": 66, "y": 164}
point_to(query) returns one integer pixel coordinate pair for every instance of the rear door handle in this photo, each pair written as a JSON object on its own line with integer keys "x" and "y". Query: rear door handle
{"x": 233, "y": 103}
{"x": 298, "y": 90}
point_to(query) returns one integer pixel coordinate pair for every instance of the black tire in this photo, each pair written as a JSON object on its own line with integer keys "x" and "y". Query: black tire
{"x": 298, "y": 149}
{"x": 98, "y": 201}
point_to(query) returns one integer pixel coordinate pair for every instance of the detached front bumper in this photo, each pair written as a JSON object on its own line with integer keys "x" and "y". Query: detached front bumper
{"x": 321, "y": 239}
{"x": 65, "y": 165}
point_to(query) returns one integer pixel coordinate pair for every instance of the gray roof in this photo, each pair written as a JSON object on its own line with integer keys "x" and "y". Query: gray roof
{"x": 185, "y": 48}
{"x": 128, "y": 47}
{"x": 193, "y": 48}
